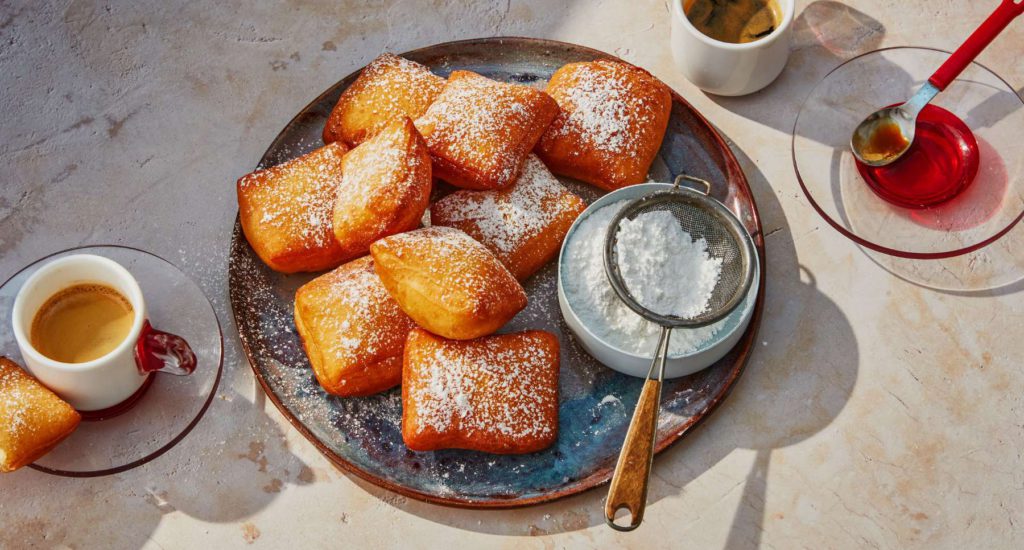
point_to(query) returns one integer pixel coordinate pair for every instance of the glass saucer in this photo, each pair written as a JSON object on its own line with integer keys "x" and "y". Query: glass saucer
{"x": 172, "y": 405}
{"x": 985, "y": 210}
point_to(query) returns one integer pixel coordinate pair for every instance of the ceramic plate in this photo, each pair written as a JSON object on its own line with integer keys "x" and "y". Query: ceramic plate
{"x": 363, "y": 435}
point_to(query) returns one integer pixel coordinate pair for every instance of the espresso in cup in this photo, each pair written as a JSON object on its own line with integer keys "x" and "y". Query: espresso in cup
{"x": 83, "y": 329}
{"x": 734, "y": 21}
{"x": 81, "y": 323}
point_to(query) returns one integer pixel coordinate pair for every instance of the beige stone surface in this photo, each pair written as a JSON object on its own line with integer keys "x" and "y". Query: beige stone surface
{"x": 877, "y": 412}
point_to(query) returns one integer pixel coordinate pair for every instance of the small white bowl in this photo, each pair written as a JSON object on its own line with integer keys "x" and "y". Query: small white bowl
{"x": 731, "y": 328}
{"x": 728, "y": 69}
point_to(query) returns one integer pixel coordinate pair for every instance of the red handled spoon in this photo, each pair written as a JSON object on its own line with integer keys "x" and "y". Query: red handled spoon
{"x": 886, "y": 135}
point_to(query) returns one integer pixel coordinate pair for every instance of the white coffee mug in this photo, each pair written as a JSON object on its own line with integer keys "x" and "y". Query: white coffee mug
{"x": 728, "y": 69}
{"x": 112, "y": 379}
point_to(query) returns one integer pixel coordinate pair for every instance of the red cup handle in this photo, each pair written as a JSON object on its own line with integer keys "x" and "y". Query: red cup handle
{"x": 1007, "y": 11}
{"x": 161, "y": 351}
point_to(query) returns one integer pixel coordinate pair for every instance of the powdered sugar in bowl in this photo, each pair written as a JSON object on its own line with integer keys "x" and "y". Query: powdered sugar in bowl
{"x": 611, "y": 332}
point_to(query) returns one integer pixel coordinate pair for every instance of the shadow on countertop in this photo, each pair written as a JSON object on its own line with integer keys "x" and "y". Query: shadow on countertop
{"x": 794, "y": 385}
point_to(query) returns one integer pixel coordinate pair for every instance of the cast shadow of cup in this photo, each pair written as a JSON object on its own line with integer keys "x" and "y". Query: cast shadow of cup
{"x": 825, "y": 34}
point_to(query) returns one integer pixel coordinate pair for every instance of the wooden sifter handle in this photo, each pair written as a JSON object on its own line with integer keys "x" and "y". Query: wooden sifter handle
{"x": 632, "y": 473}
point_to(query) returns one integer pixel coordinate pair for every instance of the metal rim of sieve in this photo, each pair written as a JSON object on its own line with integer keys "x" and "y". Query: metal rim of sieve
{"x": 692, "y": 199}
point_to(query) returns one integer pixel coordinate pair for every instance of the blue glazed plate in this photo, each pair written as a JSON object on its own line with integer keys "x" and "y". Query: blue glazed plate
{"x": 363, "y": 435}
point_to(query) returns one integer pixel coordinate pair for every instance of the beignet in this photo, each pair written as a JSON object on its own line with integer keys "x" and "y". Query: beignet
{"x": 389, "y": 88}
{"x": 610, "y": 125}
{"x": 479, "y": 130}
{"x": 447, "y": 282}
{"x": 497, "y": 394}
{"x": 385, "y": 188}
{"x": 352, "y": 329}
{"x": 286, "y": 211}
{"x": 523, "y": 225}
{"x": 33, "y": 420}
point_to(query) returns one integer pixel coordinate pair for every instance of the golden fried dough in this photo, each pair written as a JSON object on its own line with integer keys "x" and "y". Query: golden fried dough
{"x": 385, "y": 188}
{"x": 610, "y": 125}
{"x": 352, "y": 329}
{"x": 497, "y": 394}
{"x": 523, "y": 225}
{"x": 389, "y": 88}
{"x": 479, "y": 131}
{"x": 33, "y": 420}
{"x": 286, "y": 211}
{"x": 447, "y": 282}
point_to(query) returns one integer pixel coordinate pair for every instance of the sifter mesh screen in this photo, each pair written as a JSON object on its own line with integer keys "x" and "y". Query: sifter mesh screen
{"x": 701, "y": 217}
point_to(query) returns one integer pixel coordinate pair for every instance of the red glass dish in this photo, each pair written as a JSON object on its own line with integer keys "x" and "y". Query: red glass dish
{"x": 940, "y": 164}
{"x": 960, "y": 190}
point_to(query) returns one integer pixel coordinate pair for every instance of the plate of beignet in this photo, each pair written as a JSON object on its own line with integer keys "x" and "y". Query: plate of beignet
{"x": 436, "y": 363}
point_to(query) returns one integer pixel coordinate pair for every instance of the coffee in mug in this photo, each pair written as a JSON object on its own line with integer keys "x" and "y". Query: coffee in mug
{"x": 734, "y": 21}
{"x": 81, "y": 323}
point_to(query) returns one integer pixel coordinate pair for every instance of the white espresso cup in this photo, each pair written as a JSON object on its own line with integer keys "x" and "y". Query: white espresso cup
{"x": 112, "y": 379}
{"x": 728, "y": 69}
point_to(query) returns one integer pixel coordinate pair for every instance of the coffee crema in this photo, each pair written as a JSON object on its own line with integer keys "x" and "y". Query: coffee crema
{"x": 735, "y": 21}
{"x": 81, "y": 323}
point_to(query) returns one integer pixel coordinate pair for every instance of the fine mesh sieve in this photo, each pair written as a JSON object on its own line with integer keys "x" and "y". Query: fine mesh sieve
{"x": 702, "y": 217}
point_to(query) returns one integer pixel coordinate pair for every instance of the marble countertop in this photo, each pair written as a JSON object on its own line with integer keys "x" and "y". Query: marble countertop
{"x": 876, "y": 412}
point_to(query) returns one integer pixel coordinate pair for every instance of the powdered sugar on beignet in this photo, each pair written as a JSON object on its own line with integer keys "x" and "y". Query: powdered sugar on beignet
{"x": 389, "y": 88}
{"x": 286, "y": 211}
{"x": 352, "y": 329}
{"x": 448, "y": 282}
{"x": 611, "y": 122}
{"x": 480, "y": 131}
{"x": 523, "y": 225}
{"x": 496, "y": 394}
{"x": 385, "y": 188}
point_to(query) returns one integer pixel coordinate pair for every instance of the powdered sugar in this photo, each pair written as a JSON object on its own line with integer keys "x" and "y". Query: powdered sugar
{"x": 479, "y": 128}
{"x": 593, "y": 299}
{"x": 31, "y": 416}
{"x": 507, "y": 220}
{"x": 462, "y": 268}
{"x": 14, "y": 402}
{"x": 358, "y": 321}
{"x": 601, "y": 106}
{"x": 487, "y": 386}
{"x": 664, "y": 268}
{"x": 383, "y": 178}
{"x": 388, "y": 88}
{"x": 295, "y": 199}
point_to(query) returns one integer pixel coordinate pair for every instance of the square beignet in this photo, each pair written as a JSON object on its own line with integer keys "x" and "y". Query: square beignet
{"x": 385, "y": 188}
{"x": 352, "y": 329}
{"x": 523, "y": 225}
{"x": 389, "y": 88}
{"x": 447, "y": 282}
{"x": 286, "y": 211}
{"x": 479, "y": 130}
{"x": 33, "y": 420}
{"x": 610, "y": 125}
{"x": 497, "y": 394}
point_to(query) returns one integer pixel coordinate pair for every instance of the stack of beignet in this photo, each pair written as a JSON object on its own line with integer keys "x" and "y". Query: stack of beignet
{"x": 422, "y": 309}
